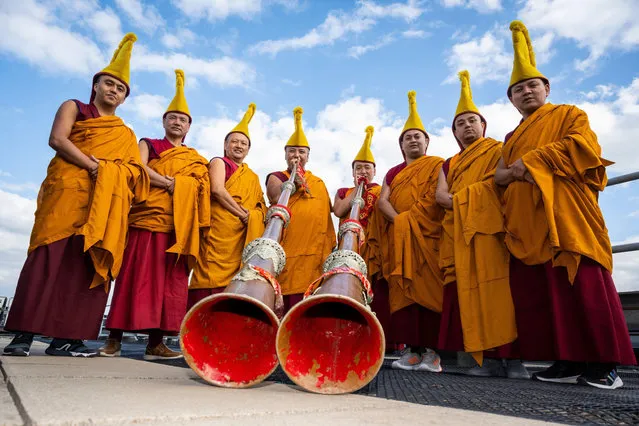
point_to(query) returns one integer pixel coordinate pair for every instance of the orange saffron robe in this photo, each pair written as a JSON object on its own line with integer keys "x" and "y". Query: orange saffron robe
{"x": 406, "y": 251}
{"x": 187, "y": 211}
{"x": 370, "y": 196}
{"x": 558, "y": 219}
{"x": 472, "y": 250}
{"x": 309, "y": 237}
{"x": 221, "y": 253}
{"x": 70, "y": 203}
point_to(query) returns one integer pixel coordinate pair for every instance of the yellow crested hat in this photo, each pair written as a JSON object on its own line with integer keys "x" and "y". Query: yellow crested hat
{"x": 242, "y": 126}
{"x": 465, "y": 103}
{"x": 524, "y": 64}
{"x": 365, "y": 154}
{"x": 178, "y": 104}
{"x": 413, "y": 122}
{"x": 120, "y": 66}
{"x": 298, "y": 138}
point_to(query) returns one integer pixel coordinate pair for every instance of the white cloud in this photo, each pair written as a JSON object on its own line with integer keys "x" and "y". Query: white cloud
{"x": 601, "y": 91}
{"x": 598, "y": 25}
{"x": 482, "y": 6}
{"x": 487, "y": 57}
{"x": 357, "y": 51}
{"x": 5, "y": 173}
{"x": 106, "y": 25}
{"x": 484, "y": 57}
{"x": 178, "y": 40}
{"x": 145, "y": 17}
{"x": 16, "y": 221}
{"x": 294, "y": 83}
{"x": 214, "y": 10}
{"x": 45, "y": 44}
{"x": 415, "y": 34}
{"x": 225, "y": 71}
{"x": 146, "y": 107}
{"x": 338, "y": 24}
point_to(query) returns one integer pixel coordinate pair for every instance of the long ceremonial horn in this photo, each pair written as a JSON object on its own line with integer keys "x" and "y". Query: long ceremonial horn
{"x": 228, "y": 339}
{"x": 332, "y": 342}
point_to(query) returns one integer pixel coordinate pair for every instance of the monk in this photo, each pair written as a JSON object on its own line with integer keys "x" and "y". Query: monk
{"x": 79, "y": 234}
{"x": 237, "y": 214}
{"x": 566, "y": 305}
{"x": 363, "y": 167}
{"x": 478, "y": 314}
{"x": 407, "y": 234}
{"x": 164, "y": 238}
{"x": 310, "y": 235}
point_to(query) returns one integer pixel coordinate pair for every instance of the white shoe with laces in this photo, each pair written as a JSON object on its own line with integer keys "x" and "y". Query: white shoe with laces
{"x": 408, "y": 361}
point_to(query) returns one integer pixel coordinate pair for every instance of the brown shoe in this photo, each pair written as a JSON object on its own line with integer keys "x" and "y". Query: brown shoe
{"x": 160, "y": 352}
{"x": 111, "y": 348}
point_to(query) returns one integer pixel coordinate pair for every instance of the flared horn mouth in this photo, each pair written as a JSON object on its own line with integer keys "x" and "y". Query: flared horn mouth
{"x": 228, "y": 339}
{"x": 330, "y": 344}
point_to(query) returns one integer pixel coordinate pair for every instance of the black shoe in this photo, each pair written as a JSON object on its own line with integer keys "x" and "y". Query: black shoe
{"x": 601, "y": 376}
{"x": 561, "y": 372}
{"x": 19, "y": 346}
{"x": 70, "y": 347}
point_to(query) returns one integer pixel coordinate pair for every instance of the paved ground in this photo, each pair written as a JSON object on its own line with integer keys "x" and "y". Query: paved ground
{"x": 47, "y": 390}
{"x": 50, "y": 390}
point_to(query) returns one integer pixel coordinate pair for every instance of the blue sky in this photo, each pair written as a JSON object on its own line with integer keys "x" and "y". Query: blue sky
{"x": 348, "y": 63}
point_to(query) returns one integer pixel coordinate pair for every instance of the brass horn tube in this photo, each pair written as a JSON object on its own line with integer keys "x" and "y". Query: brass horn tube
{"x": 228, "y": 339}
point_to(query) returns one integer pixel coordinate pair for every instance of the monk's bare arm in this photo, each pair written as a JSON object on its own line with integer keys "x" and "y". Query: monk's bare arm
{"x": 59, "y": 138}
{"x": 219, "y": 192}
{"x": 273, "y": 189}
{"x": 342, "y": 207}
{"x": 384, "y": 203}
{"x": 443, "y": 197}
{"x": 156, "y": 179}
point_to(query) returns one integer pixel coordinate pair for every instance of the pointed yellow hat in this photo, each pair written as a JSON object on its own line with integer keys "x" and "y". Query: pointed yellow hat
{"x": 178, "y": 104}
{"x": 365, "y": 154}
{"x": 298, "y": 138}
{"x": 413, "y": 122}
{"x": 465, "y": 103}
{"x": 119, "y": 67}
{"x": 524, "y": 64}
{"x": 242, "y": 126}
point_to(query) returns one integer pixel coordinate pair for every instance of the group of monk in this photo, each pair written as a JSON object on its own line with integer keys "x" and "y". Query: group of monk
{"x": 500, "y": 251}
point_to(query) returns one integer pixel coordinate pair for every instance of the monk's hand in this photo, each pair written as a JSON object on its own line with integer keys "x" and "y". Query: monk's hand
{"x": 528, "y": 178}
{"x": 93, "y": 168}
{"x": 170, "y": 184}
{"x": 245, "y": 217}
{"x": 518, "y": 169}
{"x": 362, "y": 179}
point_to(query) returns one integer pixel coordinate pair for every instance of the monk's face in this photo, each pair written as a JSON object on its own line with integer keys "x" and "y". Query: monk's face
{"x": 363, "y": 169}
{"x": 236, "y": 147}
{"x": 109, "y": 91}
{"x": 528, "y": 95}
{"x": 468, "y": 128}
{"x": 294, "y": 154}
{"x": 414, "y": 144}
{"x": 176, "y": 124}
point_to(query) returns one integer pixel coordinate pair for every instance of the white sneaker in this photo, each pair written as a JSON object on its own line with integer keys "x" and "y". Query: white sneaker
{"x": 408, "y": 361}
{"x": 430, "y": 362}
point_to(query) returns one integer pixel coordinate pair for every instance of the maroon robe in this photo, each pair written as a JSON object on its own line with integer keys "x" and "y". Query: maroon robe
{"x": 53, "y": 297}
{"x": 557, "y": 320}
{"x": 197, "y": 294}
{"x": 151, "y": 290}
